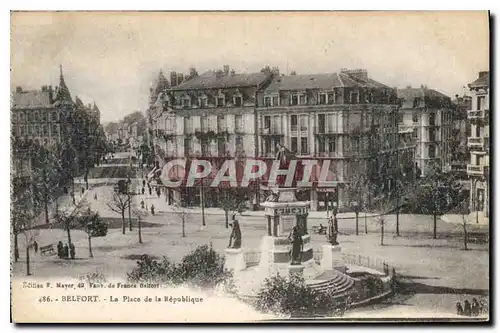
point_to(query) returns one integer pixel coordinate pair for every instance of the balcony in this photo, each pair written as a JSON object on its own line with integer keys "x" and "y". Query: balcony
{"x": 404, "y": 129}
{"x": 271, "y": 131}
{"x": 474, "y": 142}
{"x": 325, "y": 131}
{"x": 476, "y": 114}
{"x": 477, "y": 170}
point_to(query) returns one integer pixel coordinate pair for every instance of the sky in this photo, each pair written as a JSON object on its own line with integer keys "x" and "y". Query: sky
{"x": 113, "y": 58}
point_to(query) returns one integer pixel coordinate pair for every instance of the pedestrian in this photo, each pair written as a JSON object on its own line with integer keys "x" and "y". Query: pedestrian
{"x": 83, "y": 190}
{"x": 475, "y": 307}
{"x": 144, "y": 183}
{"x": 142, "y": 204}
{"x": 95, "y": 196}
{"x": 142, "y": 191}
{"x": 60, "y": 252}
{"x": 460, "y": 310}
{"x": 66, "y": 251}
{"x": 150, "y": 191}
{"x": 152, "y": 209}
{"x": 467, "y": 308}
{"x": 72, "y": 250}
{"x": 35, "y": 246}
{"x": 158, "y": 192}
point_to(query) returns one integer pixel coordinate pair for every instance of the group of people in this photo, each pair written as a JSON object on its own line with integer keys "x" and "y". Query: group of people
{"x": 469, "y": 309}
{"x": 66, "y": 251}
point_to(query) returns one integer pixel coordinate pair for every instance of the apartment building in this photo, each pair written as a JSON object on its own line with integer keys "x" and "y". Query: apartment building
{"x": 429, "y": 114}
{"x": 211, "y": 116}
{"x": 345, "y": 118}
{"x": 478, "y": 143}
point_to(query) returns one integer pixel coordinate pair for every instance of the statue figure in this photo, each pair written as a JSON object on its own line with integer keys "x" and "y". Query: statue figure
{"x": 332, "y": 230}
{"x": 235, "y": 235}
{"x": 297, "y": 246}
{"x": 284, "y": 155}
{"x": 273, "y": 196}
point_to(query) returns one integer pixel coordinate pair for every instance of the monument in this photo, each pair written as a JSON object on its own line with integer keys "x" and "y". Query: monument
{"x": 286, "y": 249}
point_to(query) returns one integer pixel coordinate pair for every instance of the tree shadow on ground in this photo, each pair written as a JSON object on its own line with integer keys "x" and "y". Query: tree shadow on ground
{"x": 438, "y": 246}
{"x": 411, "y": 287}
{"x": 411, "y": 277}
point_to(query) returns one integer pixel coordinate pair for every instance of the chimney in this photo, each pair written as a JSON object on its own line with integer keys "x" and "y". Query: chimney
{"x": 233, "y": 72}
{"x": 173, "y": 79}
{"x": 51, "y": 95}
{"x": 226, "y": 69}
{"x": 483, "y": 74}
{"x": 19, "y": 89}
{"x": 44, "y": 88}
{"x": 180, "y": 78}
{"x": 356, "y": 73}
{"x": 219, "y": 74}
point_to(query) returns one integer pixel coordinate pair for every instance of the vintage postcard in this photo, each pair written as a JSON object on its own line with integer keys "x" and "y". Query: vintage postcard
{"x": 250, "y": 167}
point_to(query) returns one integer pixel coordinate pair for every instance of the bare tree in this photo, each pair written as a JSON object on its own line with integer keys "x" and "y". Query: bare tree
{"x": 119, "y": 204}
{"x": 382, "y": 205}
{"x": 231, "y": 203}
{"x": 140, "y": 214}
{"x": 92, "y": 224}
{"x": 68, "y": 220}
{"x": 182, "y": 214}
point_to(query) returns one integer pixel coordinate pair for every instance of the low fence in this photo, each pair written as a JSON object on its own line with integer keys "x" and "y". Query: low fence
{"x": 252, "y": 258}
{"x": 370, "y": 262}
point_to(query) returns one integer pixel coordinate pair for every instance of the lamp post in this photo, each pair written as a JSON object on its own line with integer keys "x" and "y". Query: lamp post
{"x": 334, "y": 212}
{"x": 355, "y": 206}
{"x": 89, "y": 234}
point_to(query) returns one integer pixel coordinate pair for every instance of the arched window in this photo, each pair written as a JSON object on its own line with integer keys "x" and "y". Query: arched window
{"x": 238, "y": 99}
{"x": 220, "y": 99}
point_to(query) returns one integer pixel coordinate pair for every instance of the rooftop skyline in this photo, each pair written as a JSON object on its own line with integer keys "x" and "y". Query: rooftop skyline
{"x": 112, "y": 58}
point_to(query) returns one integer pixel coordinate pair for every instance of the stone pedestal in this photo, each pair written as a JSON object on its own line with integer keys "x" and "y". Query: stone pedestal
{"x": 296, "y": 270}
{"x": 332, "y": 258}
{"x": 235, "y": 260}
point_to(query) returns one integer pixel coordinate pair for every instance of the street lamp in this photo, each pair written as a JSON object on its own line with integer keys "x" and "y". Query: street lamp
{"x": 334, "y": 212}
{"x": 355, "y": 206}
{"x": 89, "y": 234}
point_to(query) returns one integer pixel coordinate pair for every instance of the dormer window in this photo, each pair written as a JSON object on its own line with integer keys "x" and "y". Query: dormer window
{"x": 220, "y": 100}
{"x": 202, "y": 101}
{"x": 271, "y": 100}
{"x": 332, "y": 97}
{"x": 186, "y": 101}
{"x": 354, "y": 97}
{"x": 298, "y": 98}
{"x": 237, "y": 99}
{"x": 323, "y": 98}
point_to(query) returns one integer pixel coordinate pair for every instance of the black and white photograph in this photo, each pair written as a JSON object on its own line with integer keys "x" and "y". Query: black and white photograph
{"x": 250, "y": 167}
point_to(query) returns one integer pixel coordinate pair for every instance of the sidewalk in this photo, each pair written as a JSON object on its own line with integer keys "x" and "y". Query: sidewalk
{"x": 161, "y": 206}
{"x": 471, "y": 219}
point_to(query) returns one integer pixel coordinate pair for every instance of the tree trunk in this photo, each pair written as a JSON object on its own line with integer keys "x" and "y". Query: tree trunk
{"x": 202, "y": 199}
{"x": 397, "y": 220}
{"x": 226, "y": 213}
{"x": 28, "y": 260}
{"x": 68, "y": 230}
{"x": 91, "y": 255}
{"x": 183, "y": 225}
{"x": 129, "y": 216}
{"x": 123, "y": 221}
{"x": 465, "y": 236}
{"x": 357, "y": 224}
{"x": 16, "y": 247}
{"x": 46, "y": 209}
{"x": 382, "y": 233}
{"x": 139, "y": 228}
{"x": 434, "y": 234}
{"x": 366, "y": 225}
{"x": 73, "y": 189}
